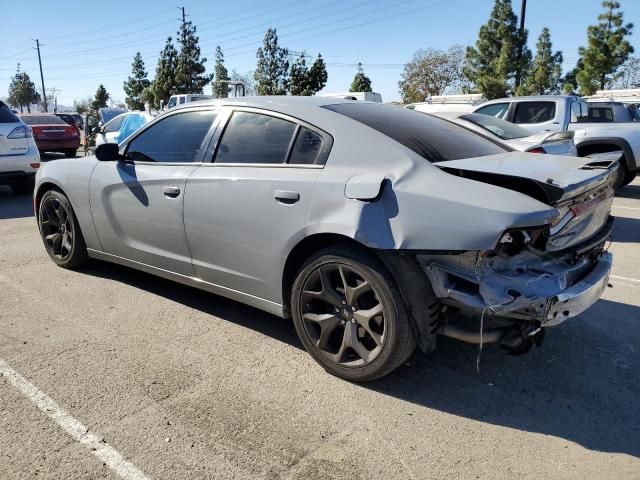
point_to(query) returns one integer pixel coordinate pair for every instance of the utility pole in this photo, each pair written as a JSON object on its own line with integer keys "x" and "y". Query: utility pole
{"x": 184, "y": 21}
{"x": 44, "y": 93}
{"x": 523, "y": 11}
{"x": 53, "y": 92}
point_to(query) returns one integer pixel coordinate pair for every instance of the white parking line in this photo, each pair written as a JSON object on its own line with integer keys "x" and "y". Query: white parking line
{"x": 626, "y": 208}
{"x": 626, "y": 279}
{"x": 100, "y": 448}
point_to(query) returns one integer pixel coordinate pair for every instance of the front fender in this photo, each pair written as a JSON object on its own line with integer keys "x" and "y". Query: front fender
{"x": 72, "y": 177}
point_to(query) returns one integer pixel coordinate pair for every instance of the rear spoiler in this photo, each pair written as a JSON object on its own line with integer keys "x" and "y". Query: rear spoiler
{"x": 559, "y": 136}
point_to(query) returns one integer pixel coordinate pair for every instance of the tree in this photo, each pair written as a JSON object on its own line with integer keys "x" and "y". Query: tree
{"x": 492, "y": 64}
{"x": 360, "y": 83}
{"x": 246, "y": 79}
{"x": 221, "y": 76}
{"x": 607, "y": 49}
{"x": 190, "y": 69}
{"x": 83, "y": 105}
{"x": 100, "y": 99}
{"x": 22, "y": 91}
{"x": 629, "y": 74}
{"x": 431, "y": 72}
{"x": 136, "y": 83}
{"x": 307, "y": 81}
{"x": 164, "y": 85}
{"x": 546, "y": 71}
{"x": 147, "y": 97}
{"x": 272, "y": 69}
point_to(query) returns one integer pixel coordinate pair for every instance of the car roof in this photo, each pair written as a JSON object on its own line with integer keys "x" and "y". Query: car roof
{"x": 281, "y": 103}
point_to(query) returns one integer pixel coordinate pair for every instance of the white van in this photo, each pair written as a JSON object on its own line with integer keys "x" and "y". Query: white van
{"x": 176, "y": 100}
{"x": 448, "y": 103}
{"x": 362, "y": 96}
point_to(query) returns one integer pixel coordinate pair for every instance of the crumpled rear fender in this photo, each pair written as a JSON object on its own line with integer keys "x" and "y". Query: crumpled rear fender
{"x": 422, "y": 208}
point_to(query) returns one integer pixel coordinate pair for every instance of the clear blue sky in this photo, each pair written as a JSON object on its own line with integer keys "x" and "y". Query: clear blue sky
{"x": 88, "y": 43}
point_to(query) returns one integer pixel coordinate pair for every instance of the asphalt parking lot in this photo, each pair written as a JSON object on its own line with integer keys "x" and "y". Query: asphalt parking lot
{"x": 183, "y": 384}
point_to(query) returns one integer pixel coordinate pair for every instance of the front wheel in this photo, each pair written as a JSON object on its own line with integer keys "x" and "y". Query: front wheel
{"x": 350, "y": 316}
{"x": 60, "y": 231}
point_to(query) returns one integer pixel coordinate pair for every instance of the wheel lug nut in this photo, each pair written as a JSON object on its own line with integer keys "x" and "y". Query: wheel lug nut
{"x": 344, "y": 302}
{"x": 342, "y": 322}
{"x": 353, "y": 320}
{"x": 353, "y": 309}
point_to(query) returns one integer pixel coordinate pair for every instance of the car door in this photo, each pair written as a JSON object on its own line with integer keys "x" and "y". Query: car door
{"x": 245, "y": 209}
{"x": 137, "y": 204}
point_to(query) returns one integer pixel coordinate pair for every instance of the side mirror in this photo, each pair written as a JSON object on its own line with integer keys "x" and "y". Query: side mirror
{"x": 108, "y": 152}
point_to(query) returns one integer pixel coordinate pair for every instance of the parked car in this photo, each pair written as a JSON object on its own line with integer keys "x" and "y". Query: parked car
{"x": 613, "y": 112}
{"x": 19, "y": 157}
{"x": 518, "y": 138}
{"x": 53, "y": 134}
{"x": 120, "y": 127}
{"x": 175, "y": 100}
{"x": 559, "y": 113}
{"x": 361, "y": 221}
{"x": 72, "y": 119}
{"x": 361, "y": 96}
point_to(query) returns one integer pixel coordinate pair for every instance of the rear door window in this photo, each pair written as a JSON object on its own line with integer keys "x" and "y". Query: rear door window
{"x": 534, "y": 112}
{"x": 255, "y": 138}
{"x": 600, "y": 114}
{"x": 498, "y": 110}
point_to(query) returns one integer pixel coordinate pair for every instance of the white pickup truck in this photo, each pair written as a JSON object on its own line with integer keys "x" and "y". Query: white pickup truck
{"x": 551, "y": 113}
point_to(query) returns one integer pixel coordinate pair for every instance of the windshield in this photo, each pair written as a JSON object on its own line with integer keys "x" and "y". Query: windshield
{"x": 432, "y": 138}
{"x": 501, "y": 128}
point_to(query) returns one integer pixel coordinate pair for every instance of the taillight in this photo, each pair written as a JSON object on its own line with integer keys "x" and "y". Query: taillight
{"x": 35, "y": 165}
{"x": 536, "y": 150}
{"x": 37, "y": 131}
{"x": 22, "y": 131}
{"x": 73, "y": 131}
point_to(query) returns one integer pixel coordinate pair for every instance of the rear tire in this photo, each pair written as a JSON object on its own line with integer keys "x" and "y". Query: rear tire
{"x": 350, "y": 315}
{"x": 70, "y": 153}
{"x": 22, "y": 186}
{"x": 60, "y": 231}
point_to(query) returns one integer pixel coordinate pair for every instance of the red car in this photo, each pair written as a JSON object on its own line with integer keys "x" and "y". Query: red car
{"x": 52, "y": 134}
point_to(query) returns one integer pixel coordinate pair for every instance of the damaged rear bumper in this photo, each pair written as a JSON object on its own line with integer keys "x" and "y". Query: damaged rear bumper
{"x": 547, "y": 291}
{"x": 580, "y": 296}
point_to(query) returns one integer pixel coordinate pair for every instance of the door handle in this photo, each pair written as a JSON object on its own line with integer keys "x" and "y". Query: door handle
{"x": 171, "y": 192}
{"x": 286, "y": 196}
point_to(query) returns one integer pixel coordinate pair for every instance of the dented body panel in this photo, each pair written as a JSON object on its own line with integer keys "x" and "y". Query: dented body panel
{"x": 374, "y": 190}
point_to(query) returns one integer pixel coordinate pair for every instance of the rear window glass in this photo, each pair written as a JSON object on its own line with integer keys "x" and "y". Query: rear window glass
{"x": 432, "y": 138}
{"x": 43, "y": 120}
{"x": 7, "y": 116}
{"x": 534, "y": 112}
{"x": 501, "y": 128}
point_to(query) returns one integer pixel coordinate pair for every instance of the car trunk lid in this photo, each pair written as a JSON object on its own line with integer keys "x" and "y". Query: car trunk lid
{"x": 579, "y": 188}
{"x": 12, "y": 146}
{"x": 549, "y": 178}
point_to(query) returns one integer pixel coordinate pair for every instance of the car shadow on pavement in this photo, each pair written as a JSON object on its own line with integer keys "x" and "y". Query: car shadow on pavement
{"x": 205, "y": 302}
{"x": 14, "y": 206}
{"x": 626, "y": 230}
{"x": 630, "y": 191}
{"x": 582, "y": 385}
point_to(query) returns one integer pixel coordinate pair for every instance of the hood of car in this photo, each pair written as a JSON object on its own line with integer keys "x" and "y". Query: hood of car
{"x": 551, "y": 179}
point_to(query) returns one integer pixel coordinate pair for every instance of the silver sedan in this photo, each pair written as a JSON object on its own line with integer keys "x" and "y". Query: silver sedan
{"x": 375, "y": 228}
{"x": 516, "y": 137}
